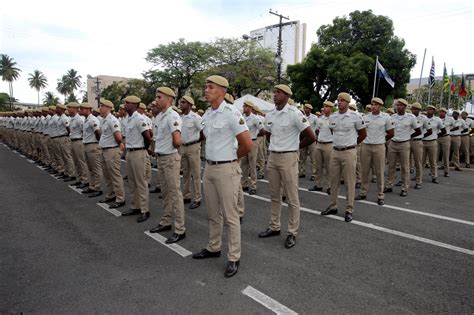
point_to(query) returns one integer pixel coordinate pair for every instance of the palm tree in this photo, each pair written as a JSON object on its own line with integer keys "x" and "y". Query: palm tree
{"x": 50, "y": 99}
{"x": 73, "y": 80}
{"x": 9, "y": 73}
{"x": 63, "y": 87}
{"x": 38, "y": 81}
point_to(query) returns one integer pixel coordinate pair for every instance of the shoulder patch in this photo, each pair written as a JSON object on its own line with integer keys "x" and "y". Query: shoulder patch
{"x": 304, "y": 120}
{"x": 115, "y": 126}
{"x": 95, "y": 125}
{"x": 241, "y": 121}
{"x": 144, "y": 124}
{"x": 175, "y": 123}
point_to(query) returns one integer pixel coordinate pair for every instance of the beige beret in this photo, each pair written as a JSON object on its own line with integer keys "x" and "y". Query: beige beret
{"x": 188, "y": 99}
{"x": 369, "y": 106}
{"x": 142, "y": 106}
{"x": 166, "y": 90}
{"x": 45, "y": 109}
{"x": 344, "y": 96}
{"x": 443, "y": 109}
{"x": 95, "y": 109}
{"x": 455, "y": 111}
{"x": 85, "y": 105}
{"x": 217, "y": 79}
{"x": 431, "y": 106}
{"x": 229, "y": 98}
{"x": 107, "y": 103}
{"x": 72, "y": 105}
{"x": 328, "y": 103}
{"x": 353, "y": 106}
{"x": 403, "y": 101}
{"x": 416, "y": 105}
{"x": 390, "y": 110}
{"x": 308, "y": 106}
{"x": 377, "y": 100}
{"x": 52, "y": 107}
{"x": 122, "y": 106}
{"x": 132, "y": 99}
{"x": 249, "y": 104}
{"x": 200, "y": 111}
{"x": 284, "y": 88}
{"x": 256, "y": 108}
{"x": 61, "y": 106}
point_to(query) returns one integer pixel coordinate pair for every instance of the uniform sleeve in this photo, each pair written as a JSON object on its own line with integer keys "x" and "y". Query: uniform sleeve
{"x": 259, "y": 123}
{"x": 65, "y": 121}
{"x": 389, "y": 124}
{"x": 141, "y": 125}
{"x": 267, "y": 125}
{"x": 237, "y": 123}
{"x": 198, "y": 122}
{"x": 426, "y": 125}
{"x": 301, "y": 121}
{"x": 174, "y": 123}
{"x": 115, "y": 126}
{"x": 95, "y": 124}
{"x": 441, "y": 124}
{"x": 359, "y": 122}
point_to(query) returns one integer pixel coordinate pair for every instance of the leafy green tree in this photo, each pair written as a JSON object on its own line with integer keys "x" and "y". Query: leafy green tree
{"x": 63, "y": 88}
{"x": 421, "y": 95}
{"x": 9, "y": 73}
{"x": 68, "y": 83}
{"x": 37, "y": 81}
{"x": 4, "y": 101}
{"x": 344, "y": 57}
{"x": 50, "y": 99}
{"x": 117, "y": 91}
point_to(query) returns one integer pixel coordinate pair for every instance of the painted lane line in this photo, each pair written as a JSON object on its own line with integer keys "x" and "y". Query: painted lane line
{"x": 31, "y": 161}
{"x": 40, "y": 167}
{"x": 53, "y": 176}
{"x": 106, "y": 207}
{"x": 431, "y": 215}
{"x": 381, "y": 229}
{"x": 75, "y": 189}
{"x": 267, "y": 301}
{"x": 183, "y": 252}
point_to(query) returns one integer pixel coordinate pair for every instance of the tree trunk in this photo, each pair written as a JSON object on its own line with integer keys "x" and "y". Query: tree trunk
{"x": 38, "y": 98}
{"x": 11, "y": 94}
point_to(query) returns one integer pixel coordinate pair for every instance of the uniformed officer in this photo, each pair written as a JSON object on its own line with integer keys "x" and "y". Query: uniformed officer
{"x": 63, "y": 143}
{"x": 348, "y": 131}
{"x": 379, "y": 131}
{"x": 458, "y": 125}
{"x": 353, "y": 107}
{"x": 261, "y": 147}
{"x": 283, "y": 126}
{"x": 77, "y": 147}
{"x": 168, "y": 140}
{"x": 465, "y": 138}
{"x": 248, "y": 163}
{"x": 223, "y": 124}
{"x": 406, "y": 128}
{"x": 142, "y": 111}
{"x": 111, "y": 144}
{"x": 137, "y": 141}
{"x": 416, "y": 143}
{"x": 309, "y": 150}
{"x": 323, "y": 148}
{"x": 430, "y": 144}
{"x": 444, "y": 141}
{"x": 191, "y": 151}
{"x": 92, "y": 154}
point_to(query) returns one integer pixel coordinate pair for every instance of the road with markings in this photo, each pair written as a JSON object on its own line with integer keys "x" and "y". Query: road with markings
{"x": 62, "y": 252}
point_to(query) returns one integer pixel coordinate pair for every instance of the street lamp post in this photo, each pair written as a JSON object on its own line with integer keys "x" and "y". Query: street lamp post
{"x": 97, "y": 88}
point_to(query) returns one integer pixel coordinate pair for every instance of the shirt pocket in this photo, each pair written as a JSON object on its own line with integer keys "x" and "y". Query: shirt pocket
{"x": 284, "y": 122}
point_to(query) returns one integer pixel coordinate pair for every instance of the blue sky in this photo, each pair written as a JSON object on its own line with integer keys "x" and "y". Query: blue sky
{"x": 113, "y": 37}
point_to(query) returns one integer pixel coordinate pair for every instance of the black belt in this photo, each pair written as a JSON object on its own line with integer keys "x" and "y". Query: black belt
{"x": 219, "y": 162}
{"x": 191, "y": 143}
{"x": 77, "y": 139}
{"x": 135, "y": 149}
{"x": 324, "y": 142}
{"x": 106, "y": 148}
{"x": 282, "y": 152}
{"x": 58, "y": 137}
{"x": 443, "y": 136}
{"x": 344, "y": 149}
{"x": 402, "y": 141}
{"x": 429, "y": 140}
{"x": 90, "y": 143}
{"x": 465, "y": 135}
{"x": 160, "y": 154}
{"x": 254, "y": 139}
{"x": 419, "y": 139}
{"x": 455, "y": 135}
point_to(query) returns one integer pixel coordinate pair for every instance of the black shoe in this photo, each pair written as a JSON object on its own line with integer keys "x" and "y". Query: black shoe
{"x": 109, "y": 199}
{"x": 441, "y": 167}
{"x": 175, "y": 238}
{"x": 283, "y": 198}
{"x": 329, "y": 211}
{"x": 187, "y": 200}
{"x": 360, "y": 197}
{"x": 388, "y": 190}
{"x": 155, "y": 190}
{"x": 435, "y": 180}
{"x": 403, "y": 193}
{"x": 374, "y": 180}
{"x": 61, "y": 176}
{"x": 88, "y": 191}
{"x": 195, "y": 205}
{"x": 412, "y": 171}
{"x": 328, "y": 191}
{"x": 76, "y": 184}
{"x": 69, "y": 179}
{"x": 417, "y": 186}
{"x": 231, "y": 269}
{"x": 468, "y": 165}
{"x": 117, "y": 204}
{"x": 245, "y": 189}
{"x": 380, "y": 202}
{"x": 252, "y": 191}
{"x": 315, "y": 188}
{"x": 203, "y": 254}
{"x": 160, "y": 228}
{"x": 312, "y": 178}
{"x": 131, "y": 212}
{"x": 446, "y": 174}
{"x": 125, "y": 177}
{"x": 260, "y": 177}
{"x": 399, "y": 183}
{"x": 342, "y": 182}
{"x": 240, "y": 220}
{"x": 82, "y": 186}
{"x": 457, "y": 169}
{"x": 95, "y": 194}
{"x": 302, "y": 176}
{"x": 348, "y": 217}
{"x": 268, "y": 233}
{"x": 143, "y": 217}
{"x": 290, "y": 241}
{"x": 357, "y": 185}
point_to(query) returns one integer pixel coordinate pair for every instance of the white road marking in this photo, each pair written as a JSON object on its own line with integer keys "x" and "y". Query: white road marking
{"x": 113, "y": 211}
{"x": 266, "y": 301}
{"x": 53, "y": 176}
{"x": 40, "y": 167}
{"x": 75, "y": 189}
{"x": 431, "y": 215}
{"x": 31, "y": 161}
{"x": 380, "y": 228}
{"x": 174, "y": 247}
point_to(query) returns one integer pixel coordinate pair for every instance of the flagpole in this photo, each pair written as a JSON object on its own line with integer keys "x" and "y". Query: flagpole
{"x": 421, "y": 74}
{"x": 442, "y": 87}
{"x": 375, "y": 75}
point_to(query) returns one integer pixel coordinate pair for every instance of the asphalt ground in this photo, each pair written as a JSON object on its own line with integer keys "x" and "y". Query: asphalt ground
{"x": 62, "y": 253}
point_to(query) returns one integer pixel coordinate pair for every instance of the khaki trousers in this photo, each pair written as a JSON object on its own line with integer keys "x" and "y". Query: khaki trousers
{"x": 430, "y": 150}
{"x": 372, "y": 156}
{"x": 220, "y": 183}
{"x": 304, "y": 153}
{"x": 261, "y": 154}
{"x": 358, "y": 165}
{"x": 416, "y": 148}
{"x": 343, "y": 162}
{"x": 322, "y": 154}
{"x": 148, "y": 169}
{"x": 77, "y": 149}
{"x": 282, "y": 172}
{"x": 444, "y": 146}
{"x": 240, "y": 201}
{"x": 400, "y": 151}
{"x": 191, "y": 162}
{"x": 136, "y": 162}
{"x": 52, "y": 151}
{"x": 168, "y": 169}
{"x": 248, "y": 165}
{"x": 65, "y": 149}
{"x": 465, "y": 148}
{"x": 93, "y": 159}
{"x": 58, "y": 155}
{"x": 456, "y": 145}
{"x": 112, "y": 175}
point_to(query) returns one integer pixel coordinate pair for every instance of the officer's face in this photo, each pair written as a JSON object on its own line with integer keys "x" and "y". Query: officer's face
{"x": 430, "y": 112}
{"x": 442, "y": 114}
{"x": 464, "y": 115}
{"x": 280, "y": 97}
{"x": 455, "y": 115}
{"x": 327, "y": 110}
{"x": 342, "y": 104}
{"x": 162, "y": 100}
{"x": 185, "y": 106}
{"x": 400, "y": 107}
{"x": 104, "y": 110}
{"x": 375, "y": 108}
{"x": 415, "y": 111}
{"x": 307, "y": 111}
{"x": 213, "y": 92}
{"x": 247, "y": 109}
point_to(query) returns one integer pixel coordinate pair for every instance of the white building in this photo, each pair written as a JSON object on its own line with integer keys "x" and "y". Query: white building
{"x": 104, "y": 81}
{"x": 293, "y": 36}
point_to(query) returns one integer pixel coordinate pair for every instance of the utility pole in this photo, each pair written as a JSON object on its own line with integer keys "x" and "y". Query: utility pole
{"x": 278, "y": 58}
{"x": 97, "y": 90}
